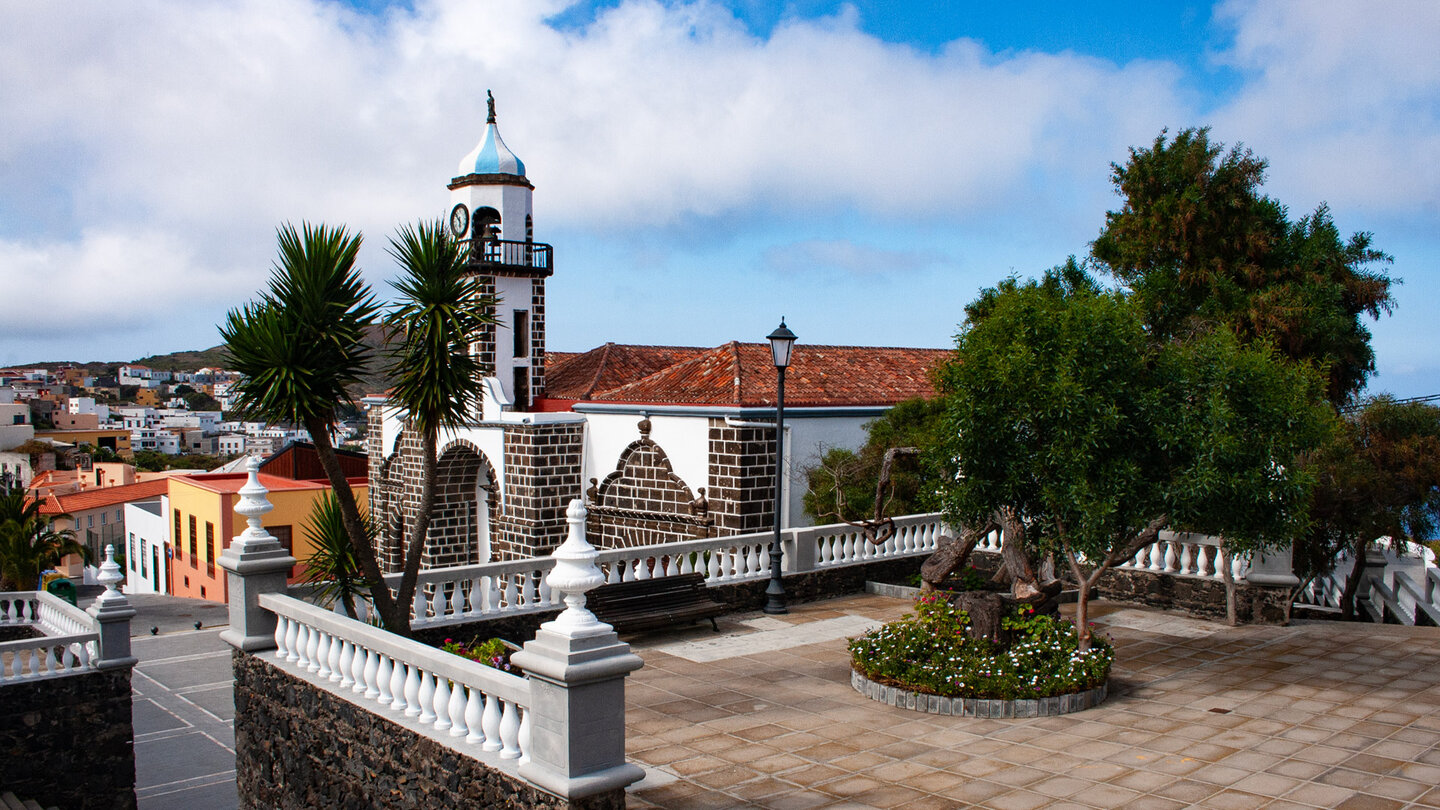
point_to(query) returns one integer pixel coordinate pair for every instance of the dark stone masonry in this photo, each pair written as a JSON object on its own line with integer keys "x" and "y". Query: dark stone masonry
{"x": 298, "y": 747}
{"x": 67, "y": 741}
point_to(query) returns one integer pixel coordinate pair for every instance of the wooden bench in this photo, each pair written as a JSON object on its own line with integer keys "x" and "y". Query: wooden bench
{"x": 644, "y": 604}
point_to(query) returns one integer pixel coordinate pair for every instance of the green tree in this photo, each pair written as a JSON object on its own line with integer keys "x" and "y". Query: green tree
{"x": 1065, "y": 415}
{"x": 844, "y": 485}
{"x": 437, "y": 381}
{"x": 333, "y": 567}
{"x": 299, "y": 346}
{"x": 1378, "y": 477}
{"x": 1199, "y": 245}
{"x": 29, "y": 542}
{"x": 302, "y": 345}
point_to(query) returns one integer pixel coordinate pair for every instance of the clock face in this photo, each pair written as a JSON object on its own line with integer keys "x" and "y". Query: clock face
{"x": 459, "y": 220}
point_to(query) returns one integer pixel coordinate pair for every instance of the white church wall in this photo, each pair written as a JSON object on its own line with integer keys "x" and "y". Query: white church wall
{"x": 685, "y": 439}
{"x": 809, "y": 439}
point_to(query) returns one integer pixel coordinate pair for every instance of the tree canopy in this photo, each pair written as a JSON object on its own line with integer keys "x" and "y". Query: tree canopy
{"x": 1063, "y": 409}
{"x": 842, "y": 483}
{"x": 1198, "y": 245}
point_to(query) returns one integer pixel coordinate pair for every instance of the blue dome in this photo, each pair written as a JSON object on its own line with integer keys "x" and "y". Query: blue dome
{"x": 492, "y": 156}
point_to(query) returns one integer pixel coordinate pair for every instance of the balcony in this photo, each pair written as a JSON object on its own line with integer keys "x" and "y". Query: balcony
{"x": 510, "y": 257}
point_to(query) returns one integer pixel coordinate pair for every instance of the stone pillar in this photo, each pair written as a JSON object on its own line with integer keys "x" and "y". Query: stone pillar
{"x": 113, "y": 612}
{"x": 577, "y": 668}
{"x": 1273, "y": 568}
{"x": 256, "y": 563}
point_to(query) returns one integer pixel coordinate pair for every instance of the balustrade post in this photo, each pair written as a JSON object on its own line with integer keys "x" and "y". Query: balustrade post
{"x": 255, "y": 563}
{"x": 1274, "y": 567}
{"x": 577, "y": 667}
{"x": 800, "y": 551}
{"x": 112, "y": 612}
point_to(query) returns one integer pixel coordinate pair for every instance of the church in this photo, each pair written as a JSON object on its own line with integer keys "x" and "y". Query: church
{"x": 663, "y": 443}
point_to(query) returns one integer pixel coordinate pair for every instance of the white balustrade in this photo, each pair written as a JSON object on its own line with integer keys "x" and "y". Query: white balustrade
{"x": 68, "y": 642}
{"x": 435, "y": 689}
{"x": 1185, "y": 554}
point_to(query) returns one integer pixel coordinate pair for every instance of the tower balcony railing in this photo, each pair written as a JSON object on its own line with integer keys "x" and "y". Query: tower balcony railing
{"x": 528, "y": 256}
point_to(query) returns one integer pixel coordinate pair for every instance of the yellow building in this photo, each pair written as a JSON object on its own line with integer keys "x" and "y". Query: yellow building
{"x": 117, "y": 439}
{"x": 203, "y": 522}
{"x": 148, "y": 397}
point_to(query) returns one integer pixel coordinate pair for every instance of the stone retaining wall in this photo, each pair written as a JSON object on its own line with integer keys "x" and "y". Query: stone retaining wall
{"x": 68, "y": 741}
{"x": 976, "y": 707}
{"x": 299, "y": 747}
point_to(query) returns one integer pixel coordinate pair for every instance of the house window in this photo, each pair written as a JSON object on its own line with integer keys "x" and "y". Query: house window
{"x": 132, "y": 551}
{"x": 103, "y": 517}
{"x": 209, "y": 549}
{"x": 144, "y": 568}
{"x": 194, "y": 542}
{"x": 284, "y": 535}
{"x": 89, "y": 521}
{"x": 177, "y": 537}
{"x": 522, "y": 388}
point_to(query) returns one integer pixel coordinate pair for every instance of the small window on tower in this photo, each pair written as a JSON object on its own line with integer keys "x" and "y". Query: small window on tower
{"x": 521, "y": 329}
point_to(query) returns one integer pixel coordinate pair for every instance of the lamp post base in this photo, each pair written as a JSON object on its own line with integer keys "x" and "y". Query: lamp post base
{"x": 775, "y": 599}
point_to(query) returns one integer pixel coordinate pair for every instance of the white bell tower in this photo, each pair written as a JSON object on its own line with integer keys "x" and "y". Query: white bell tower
{"x": 491, "y": 206}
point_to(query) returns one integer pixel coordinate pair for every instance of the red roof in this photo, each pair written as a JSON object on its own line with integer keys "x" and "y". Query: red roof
{"x": 103, "y": 497}
{"x": 583, "y": 376}
{"x": 743, "y": 375}
{"x": 230, "y": 483}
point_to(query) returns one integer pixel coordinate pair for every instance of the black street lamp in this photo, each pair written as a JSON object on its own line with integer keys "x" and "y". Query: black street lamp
{"x": 782, "y": 340}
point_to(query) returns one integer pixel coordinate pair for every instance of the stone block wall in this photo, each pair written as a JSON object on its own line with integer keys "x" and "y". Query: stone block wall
{"x": 68, "y": 741}
{"x": 299, "y": 747}
{"x": 542, "y": 476}
{"x": 537, "y": 338}
{"x": 741, "y": 489}
{"x": 1254, "y": 604}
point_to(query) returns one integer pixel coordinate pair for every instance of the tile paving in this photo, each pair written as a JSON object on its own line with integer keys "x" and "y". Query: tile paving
{"x": 1200, "y": 715}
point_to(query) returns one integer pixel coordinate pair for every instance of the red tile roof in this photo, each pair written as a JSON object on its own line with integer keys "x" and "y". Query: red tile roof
{"x": 743, "y": 375}
{"x": 103, "y": 497}
{"x": 582, "y": 376}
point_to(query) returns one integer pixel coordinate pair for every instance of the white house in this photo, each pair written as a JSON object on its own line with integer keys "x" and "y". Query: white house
{"x": 663, "y": 442}
{"x": 147, "y": 547}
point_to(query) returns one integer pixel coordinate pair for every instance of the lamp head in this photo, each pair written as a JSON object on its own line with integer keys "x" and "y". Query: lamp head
{"x": 782, "y": 340}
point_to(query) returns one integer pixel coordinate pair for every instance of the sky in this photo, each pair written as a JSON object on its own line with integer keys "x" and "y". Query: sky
{"x": 704, "y": 168}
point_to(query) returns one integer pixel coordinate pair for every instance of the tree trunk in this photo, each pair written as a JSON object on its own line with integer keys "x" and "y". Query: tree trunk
{"x": 1352, "y": 582}
{"x": 951, "y": 555}
{"x": 419, "y": 533}
{"x": 1017, "y": 562}
{"x": 350, "y": 515}
{"x": 1227, "y": 575}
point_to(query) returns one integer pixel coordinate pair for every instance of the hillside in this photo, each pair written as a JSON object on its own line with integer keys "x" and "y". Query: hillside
{"x": 214, "y": 357}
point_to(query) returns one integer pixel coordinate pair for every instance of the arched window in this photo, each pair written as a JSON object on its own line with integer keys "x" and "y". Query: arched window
{"x": 485, "y": 223}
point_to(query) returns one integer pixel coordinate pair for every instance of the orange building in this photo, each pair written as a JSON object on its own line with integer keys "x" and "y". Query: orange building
{"x": 203, "y": 522}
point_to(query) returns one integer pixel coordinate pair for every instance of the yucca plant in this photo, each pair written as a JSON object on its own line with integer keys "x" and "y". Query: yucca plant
{"x": 333, "y": 567}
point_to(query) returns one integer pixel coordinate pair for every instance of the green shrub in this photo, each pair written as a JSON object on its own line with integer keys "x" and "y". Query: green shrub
{"x": 929, "y": 651}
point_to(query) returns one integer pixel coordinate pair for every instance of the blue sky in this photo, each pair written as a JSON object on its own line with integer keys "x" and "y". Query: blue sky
{"x": 702, "y": 168}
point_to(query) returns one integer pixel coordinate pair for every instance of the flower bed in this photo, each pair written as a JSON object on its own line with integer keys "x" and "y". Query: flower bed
{"x": 493, "y": 652}
{"x": 929, "y": 652}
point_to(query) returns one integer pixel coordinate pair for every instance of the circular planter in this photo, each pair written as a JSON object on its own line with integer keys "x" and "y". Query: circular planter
{"x": 976, "y": 707}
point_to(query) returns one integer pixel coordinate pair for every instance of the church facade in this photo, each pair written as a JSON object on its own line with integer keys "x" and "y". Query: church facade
{"x": 663, "y": 443}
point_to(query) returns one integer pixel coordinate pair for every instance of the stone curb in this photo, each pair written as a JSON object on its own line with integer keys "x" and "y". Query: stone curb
{"x": 974, "y": 707}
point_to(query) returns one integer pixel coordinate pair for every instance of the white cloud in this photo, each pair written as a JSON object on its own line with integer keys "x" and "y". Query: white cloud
{"x": 1342, "y": 97}
{"x": 156, "y": 144}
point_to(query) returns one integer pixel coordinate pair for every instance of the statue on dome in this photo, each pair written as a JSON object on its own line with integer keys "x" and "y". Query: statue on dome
{"x": 490, "y": 102}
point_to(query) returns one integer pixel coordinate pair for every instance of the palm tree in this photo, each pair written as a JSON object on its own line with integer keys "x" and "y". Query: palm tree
{"x": 437, "y": 381}
{"x": 29, "y": 543}
{"x": 299, "y": 347}
{"x": 333, "y": 567}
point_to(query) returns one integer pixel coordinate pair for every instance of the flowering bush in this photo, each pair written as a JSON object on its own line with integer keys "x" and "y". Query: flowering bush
{"x": 491, "y": 653}
{"x": 929, "y": 651}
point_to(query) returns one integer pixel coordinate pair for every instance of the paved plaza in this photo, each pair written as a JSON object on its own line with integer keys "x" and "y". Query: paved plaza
{"x": 762, "y": 715}
{"x": 1200, "y": 715}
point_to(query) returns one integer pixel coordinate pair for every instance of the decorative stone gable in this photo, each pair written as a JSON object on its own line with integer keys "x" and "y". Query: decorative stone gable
{"x": 742, "y": 478}
{"x": 644, "y": 502}
{"x": 542, "y": 475}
